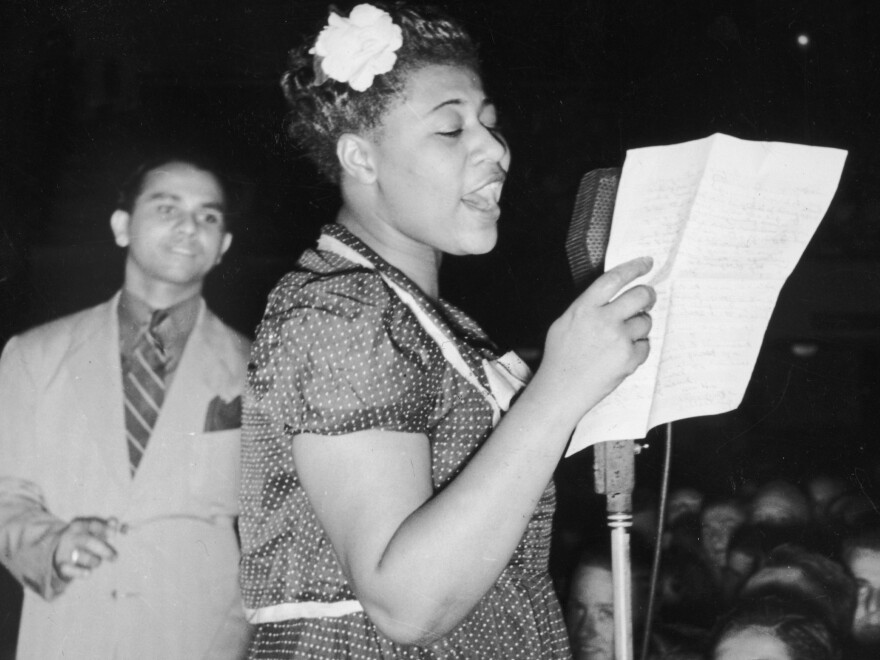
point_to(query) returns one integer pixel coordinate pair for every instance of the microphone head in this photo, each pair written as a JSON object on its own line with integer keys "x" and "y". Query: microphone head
{"x": 590, "y": 225}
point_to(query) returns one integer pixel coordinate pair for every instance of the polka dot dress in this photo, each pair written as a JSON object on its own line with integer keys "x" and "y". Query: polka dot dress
{"x": 339, "y": 352}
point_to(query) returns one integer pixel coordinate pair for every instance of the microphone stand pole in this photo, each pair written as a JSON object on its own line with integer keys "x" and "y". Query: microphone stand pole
{"x": 614, "y": 472}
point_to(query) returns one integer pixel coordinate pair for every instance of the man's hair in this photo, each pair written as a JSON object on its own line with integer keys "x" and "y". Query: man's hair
{"x": 805, "y": 635}
{"x": 824, "y": 586}
{"x": 133, "y": 184}
{"x": 322, "y": 111}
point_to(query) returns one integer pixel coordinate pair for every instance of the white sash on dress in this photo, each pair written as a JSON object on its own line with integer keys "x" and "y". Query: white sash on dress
{"x": 506, "y": 375}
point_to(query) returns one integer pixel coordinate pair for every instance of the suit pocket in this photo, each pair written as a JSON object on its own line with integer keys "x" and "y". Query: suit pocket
{"x": 216, "y": 473}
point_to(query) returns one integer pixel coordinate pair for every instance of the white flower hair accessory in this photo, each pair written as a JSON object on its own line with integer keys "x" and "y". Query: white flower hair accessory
{"x": 356, "y": 49}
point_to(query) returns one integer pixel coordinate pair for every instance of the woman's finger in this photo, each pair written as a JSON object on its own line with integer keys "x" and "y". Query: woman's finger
{"x": 639, "y": 326}
{"x": 610, "y": 283}
{"x": 636, "y": 300}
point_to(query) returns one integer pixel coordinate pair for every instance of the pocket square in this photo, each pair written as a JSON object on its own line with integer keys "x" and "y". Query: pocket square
{"x": 223, "y": 415}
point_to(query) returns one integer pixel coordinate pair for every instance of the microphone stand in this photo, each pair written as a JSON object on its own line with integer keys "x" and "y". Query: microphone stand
{"x": 614, "y": 472}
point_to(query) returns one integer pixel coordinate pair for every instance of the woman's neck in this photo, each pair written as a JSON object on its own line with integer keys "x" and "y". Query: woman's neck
{"x": 419, "y": 262}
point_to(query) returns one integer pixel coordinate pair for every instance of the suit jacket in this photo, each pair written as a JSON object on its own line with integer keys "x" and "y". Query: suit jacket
{"x": 173, "y": 590}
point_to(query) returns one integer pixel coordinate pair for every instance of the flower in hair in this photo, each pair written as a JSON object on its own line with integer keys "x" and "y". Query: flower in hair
{"x": 354, "y": 50}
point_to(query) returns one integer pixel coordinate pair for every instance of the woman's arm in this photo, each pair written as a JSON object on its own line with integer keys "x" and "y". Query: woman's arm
{"x": 419, "y": 561}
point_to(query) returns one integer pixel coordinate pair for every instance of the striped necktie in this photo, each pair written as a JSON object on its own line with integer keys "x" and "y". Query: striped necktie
{"x": 144, "y": 389}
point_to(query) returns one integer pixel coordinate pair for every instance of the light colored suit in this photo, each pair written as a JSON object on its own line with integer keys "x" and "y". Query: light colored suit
{"x": 173, "y": 590}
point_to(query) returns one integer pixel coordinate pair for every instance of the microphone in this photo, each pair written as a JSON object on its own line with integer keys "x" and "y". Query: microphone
{"x": 613, "y": 462}
{"x": 585, "y": 246}
{"x": 590, "y": 226}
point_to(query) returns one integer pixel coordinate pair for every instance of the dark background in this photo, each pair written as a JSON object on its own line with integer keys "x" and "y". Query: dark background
{"x": 88, "y": 86}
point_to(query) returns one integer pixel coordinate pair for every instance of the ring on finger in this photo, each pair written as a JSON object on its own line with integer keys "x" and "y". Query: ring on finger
{"x": 74, "y": 556}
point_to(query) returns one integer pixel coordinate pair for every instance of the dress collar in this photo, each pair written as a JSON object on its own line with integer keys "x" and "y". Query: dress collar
{"x": 439, "y": 309}
{"x": 401, "y": 279}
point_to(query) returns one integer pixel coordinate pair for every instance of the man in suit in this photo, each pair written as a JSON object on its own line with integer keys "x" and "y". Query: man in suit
{"x": 119, "y": 446}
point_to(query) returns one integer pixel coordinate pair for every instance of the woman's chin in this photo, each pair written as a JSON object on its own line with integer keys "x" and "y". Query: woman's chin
{"x": 480, "y": 241}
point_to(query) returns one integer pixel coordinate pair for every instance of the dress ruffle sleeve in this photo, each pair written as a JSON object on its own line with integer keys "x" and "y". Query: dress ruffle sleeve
{"x": 331, "y": 360}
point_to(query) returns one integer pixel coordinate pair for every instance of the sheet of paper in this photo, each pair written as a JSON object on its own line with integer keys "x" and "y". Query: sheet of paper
{"x": 726, "y": 221}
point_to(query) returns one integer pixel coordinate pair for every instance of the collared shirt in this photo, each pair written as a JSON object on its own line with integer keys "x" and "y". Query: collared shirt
{"x": 134, "y": 320}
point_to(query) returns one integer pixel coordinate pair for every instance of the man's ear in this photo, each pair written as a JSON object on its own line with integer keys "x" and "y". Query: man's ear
{"x": 224, "y": 246}
{"x": 119, "y": 224}
{"x": 356, "y": 157}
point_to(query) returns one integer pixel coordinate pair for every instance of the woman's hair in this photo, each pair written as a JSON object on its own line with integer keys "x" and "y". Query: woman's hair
{"x": 805, "y": 636}
{"x": 321, "y": 113}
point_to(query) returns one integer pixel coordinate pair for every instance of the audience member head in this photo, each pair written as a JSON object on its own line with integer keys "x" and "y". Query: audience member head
{"x": 853, "y": 510}
{"x": 771, "y": 628}
{"x": 745, "y": 555}
{"x": 860, "y": 553}
{"x": 589, "y": 607}
{"x": 719, "y": 521}
{"x": 819, "y": 583}
{"x": 323, "y": 108}
{"x": 823, "y": 489}
{"x": 681, "y": 502}
{"x": 781, "y": 503}
{"x": 690, "y": 594}
{"x": 684, "y": 531}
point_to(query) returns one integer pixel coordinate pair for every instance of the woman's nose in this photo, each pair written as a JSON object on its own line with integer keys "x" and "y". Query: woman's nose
{"x": 494, "y": 147}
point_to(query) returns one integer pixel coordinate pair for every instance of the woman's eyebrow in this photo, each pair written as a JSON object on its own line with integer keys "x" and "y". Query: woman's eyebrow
{"x": 454, "y": 101}
{"x": 458, "y": 102}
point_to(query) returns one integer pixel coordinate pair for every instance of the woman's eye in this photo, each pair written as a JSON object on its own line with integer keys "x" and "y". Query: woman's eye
{"x": 495, "y": 128}
{"x": 450, "y": 134}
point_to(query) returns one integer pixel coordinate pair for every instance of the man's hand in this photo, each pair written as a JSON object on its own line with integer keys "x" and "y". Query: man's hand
{"x": 83, "y": 546}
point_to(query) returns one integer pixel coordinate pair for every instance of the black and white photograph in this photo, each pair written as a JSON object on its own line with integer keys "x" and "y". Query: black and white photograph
{"x": 486, "y": 329}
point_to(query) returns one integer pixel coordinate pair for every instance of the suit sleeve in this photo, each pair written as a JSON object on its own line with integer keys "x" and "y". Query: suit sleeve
{"x": 29, "y": 533}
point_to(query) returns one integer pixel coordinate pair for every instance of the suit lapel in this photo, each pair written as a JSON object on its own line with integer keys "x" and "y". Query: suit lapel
{"x": 201, "y": 375}
{"x": 94, "y": 366}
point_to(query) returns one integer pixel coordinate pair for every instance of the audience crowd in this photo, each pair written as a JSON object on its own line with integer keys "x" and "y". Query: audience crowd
{"x": 783, "y": 571}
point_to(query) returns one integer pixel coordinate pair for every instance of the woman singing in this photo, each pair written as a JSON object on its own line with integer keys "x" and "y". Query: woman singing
{"x": 397, "y": 503}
